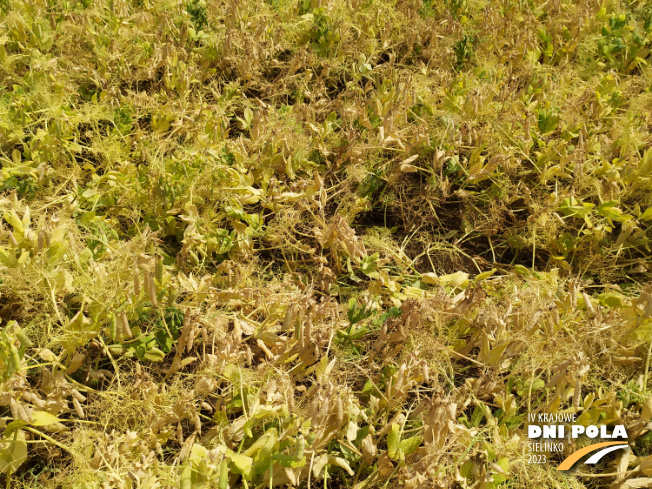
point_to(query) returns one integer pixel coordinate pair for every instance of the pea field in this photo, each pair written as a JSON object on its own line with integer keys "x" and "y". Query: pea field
{"x": 323, "y": 243}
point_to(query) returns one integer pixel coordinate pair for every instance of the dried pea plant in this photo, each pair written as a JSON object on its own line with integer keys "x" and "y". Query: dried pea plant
{"x": 302, "y": 243}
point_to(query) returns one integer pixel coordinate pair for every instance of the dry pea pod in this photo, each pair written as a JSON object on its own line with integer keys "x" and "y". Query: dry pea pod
{"x": 400, "y": 378}
{"x": 26, "y": 412}
{"x": 555, "y": 316}
{"x": 577, "y": 394}
{"x": 313, "y": 408}
{"x": 13, "y": 405}
{"x": 78, "y": 408}
{"x": 124, "y": 325}
{"x": 185, "y": 449}
{"x": 573, "y": 289}
{"x": 267, "y": 351}
{"x": 368, "y": 449}
{"x": 41, "y": 240}
{"x": 150, "y": 287}
{"x": 339, "y": 412}
{"x": 78, "y": 395}
{"x": 152, "y": 291}
{"x": 550, "y": 327}
{"x": 34, "y": 399}
{"x": 587, "y": 301}
{"x": 204, "y": 336}
{"x": 291, "y": 403}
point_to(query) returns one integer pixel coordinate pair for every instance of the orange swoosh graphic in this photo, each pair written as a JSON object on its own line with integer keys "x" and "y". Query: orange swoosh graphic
{"x": 571, "y": 459}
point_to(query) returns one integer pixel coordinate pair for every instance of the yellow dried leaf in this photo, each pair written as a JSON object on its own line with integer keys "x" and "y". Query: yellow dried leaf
{"x": 75, "y": 363}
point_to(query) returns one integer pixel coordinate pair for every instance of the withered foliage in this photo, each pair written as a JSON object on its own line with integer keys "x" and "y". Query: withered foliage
{"x": 322, "y": 244}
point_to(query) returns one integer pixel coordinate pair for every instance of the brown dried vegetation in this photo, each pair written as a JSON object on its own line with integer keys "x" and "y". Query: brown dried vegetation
{"x": 317, "y": 243}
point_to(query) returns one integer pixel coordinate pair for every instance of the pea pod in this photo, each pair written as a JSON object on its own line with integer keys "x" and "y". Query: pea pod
{"x": 224, "y": 475}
